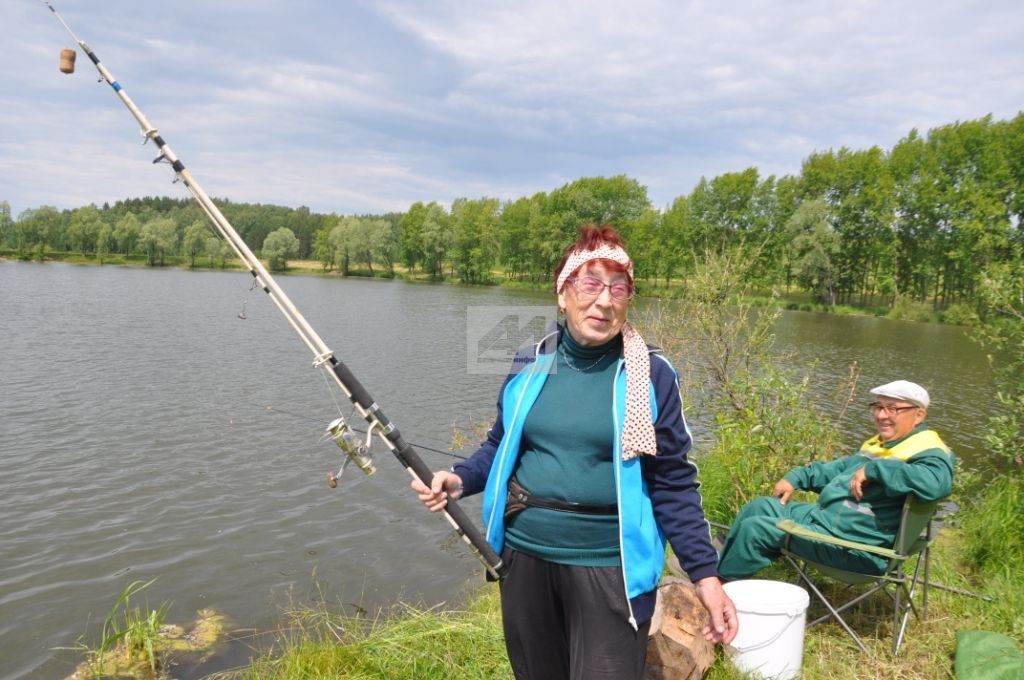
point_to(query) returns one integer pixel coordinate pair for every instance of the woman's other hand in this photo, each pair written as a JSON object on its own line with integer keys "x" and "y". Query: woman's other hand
{"x": 724, "y": 624}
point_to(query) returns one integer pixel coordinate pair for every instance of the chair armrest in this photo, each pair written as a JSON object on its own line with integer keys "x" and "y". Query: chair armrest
{"x": 794, "y": 529}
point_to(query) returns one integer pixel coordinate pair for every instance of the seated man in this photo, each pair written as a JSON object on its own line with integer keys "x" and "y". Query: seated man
{"x": 861, "y": 495}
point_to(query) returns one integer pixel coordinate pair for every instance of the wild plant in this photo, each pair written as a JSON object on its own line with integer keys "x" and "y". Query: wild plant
{"x": 130, "y": 635}
{"x": 764, "y": 421}
{"x": 995, "y": 538}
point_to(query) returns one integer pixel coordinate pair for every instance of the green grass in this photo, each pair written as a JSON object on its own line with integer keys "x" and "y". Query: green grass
{"x": 406, "y": 643}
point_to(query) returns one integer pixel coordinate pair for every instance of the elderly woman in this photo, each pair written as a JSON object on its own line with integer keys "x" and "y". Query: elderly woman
{"x": 584, "y": 475}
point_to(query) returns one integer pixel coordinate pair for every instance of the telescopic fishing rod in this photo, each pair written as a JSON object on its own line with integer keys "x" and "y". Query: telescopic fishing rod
{"x": 355, "y": 448}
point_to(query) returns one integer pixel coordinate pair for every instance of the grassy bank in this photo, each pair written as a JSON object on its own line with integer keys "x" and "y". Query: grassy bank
{"x": 407, "y": 643}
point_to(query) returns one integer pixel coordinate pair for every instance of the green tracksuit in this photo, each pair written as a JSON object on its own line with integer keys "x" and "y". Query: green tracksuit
{"x": 918, "y": 463}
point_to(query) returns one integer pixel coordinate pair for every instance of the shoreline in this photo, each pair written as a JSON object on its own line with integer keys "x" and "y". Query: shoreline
{"x": 788, "y": 301}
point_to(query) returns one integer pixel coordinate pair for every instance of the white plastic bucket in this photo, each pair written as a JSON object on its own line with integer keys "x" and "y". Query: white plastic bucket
{"x": 771, "y": 616}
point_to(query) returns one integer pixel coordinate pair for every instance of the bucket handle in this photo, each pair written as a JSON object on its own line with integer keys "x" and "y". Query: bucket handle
{"x": 767, "y": 642}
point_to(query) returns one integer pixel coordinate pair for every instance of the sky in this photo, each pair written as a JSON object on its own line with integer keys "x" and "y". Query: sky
{"x": 354, "y": 107}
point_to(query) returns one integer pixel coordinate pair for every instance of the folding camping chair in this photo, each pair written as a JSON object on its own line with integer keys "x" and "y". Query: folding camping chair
{"x": 912, "y": 538}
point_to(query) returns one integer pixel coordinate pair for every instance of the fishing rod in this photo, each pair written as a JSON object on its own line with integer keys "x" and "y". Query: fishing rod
{"x": 356, "y": 450}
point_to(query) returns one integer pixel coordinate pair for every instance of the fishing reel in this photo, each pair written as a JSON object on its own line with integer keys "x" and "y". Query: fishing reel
{"x": 356, "y": 449}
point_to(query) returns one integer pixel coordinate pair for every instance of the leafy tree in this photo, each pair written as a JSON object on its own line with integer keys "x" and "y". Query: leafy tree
{"x": 641, "y": 235}
{"x": 1012, "y": 141}
{"x": 366, "y": 240}
{"x": 728, "y": 215}
{"x": 411, "y": 225}
{"x": 678, "y": 238}
{"x": 344, "y": 240}
{"x": 474, "y": 231}
{"x": 104, "y": 241}
{"x": 920, "y": 248}
{"x": 857, "y": 187}
{"x": 617, "y": 200}
{"x": 322, "y": 248}
{"x": 549, "y": 235}
{"x": 437, "y": 239}
{"x": 973, "y": 201}
{"x": 6, "y": 224}
{"x": 774, "y": 202}
{"x": 32, "y": 226}
{"x": 384, "y": 240}
{"x": 280, "y": 245}
{"x": 513, "y": 235}
{"x": 126, "y": 233}
{"x": 216, "y": 250}
{"x": 84, "y": 228}
{"x": 813, "y": 246}
{"x": 194, "y": 241}
{"x": 362, "y": 240}
{"x": 158, "y": 237}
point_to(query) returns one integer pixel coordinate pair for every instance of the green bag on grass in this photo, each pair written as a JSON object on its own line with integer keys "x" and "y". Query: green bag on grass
{"x": 981, "y": 655}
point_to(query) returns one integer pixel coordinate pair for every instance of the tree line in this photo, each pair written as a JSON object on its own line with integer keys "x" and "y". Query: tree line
{"x": 921, "y": 221}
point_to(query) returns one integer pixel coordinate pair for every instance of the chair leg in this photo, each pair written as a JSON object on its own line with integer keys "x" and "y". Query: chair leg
{"x": 959, "y": 591}
{"x": 827, "y": 604}
{"x": 924, "y": 583}
{"x": 863, "y": 596}
{"x": 901, "y": 613}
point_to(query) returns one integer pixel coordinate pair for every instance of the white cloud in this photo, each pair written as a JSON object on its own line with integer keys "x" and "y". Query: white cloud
{"x": 359, "y": 107}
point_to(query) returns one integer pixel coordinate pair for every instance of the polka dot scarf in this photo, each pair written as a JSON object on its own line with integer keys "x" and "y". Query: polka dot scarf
{"x": 638, "y": 434}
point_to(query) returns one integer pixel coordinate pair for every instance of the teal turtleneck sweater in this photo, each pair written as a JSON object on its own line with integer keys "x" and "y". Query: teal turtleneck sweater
{"x": 567, "y": 455}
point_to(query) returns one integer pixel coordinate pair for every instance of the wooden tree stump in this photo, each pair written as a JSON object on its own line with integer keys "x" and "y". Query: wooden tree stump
{"x": 676, "y": 648}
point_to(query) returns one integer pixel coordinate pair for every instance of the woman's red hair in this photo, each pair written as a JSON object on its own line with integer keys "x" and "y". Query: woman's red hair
{"x": 592, "y": 237}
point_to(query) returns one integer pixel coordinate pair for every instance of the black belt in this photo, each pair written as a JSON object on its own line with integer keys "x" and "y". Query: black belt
{"x": 519, "y": 498}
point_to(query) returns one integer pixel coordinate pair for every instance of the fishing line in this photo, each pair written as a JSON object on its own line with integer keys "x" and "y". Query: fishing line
{"x": 245, "y": 300}
{"x": 363, "y": 402}
{"x": 334, "y": 398}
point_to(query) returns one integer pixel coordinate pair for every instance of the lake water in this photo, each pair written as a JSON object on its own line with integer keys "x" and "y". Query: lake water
{"x": 136, "y": 442}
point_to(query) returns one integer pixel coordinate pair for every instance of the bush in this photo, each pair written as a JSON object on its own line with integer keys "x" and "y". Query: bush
{"x": 994, "y": 540}
{"x": 765, "y": 423}
{"x": 908, "y": 310}
{"x": 992, "y": 526}
{"x": 960, "y": 315}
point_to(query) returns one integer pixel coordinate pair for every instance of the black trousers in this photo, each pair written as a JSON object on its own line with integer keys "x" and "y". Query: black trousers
{"x": 569, "y": 623}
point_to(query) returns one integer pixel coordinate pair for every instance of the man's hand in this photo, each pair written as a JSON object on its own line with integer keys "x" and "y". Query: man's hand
{"x": 783, "y": 490}
{"x": 858, "y": 482}
{"x": 724, "y": 624}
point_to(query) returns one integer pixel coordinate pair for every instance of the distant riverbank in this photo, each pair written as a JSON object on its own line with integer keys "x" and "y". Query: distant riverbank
{"x": 906, "y": 310}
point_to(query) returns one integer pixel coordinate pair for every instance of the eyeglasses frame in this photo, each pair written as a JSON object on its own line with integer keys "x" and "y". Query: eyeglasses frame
{"x": 575, "y": 280}
{"x": 889, "y": 410}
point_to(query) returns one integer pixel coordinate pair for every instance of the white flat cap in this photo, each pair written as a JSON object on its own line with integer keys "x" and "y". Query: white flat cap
{"x": 905, "y": 390}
